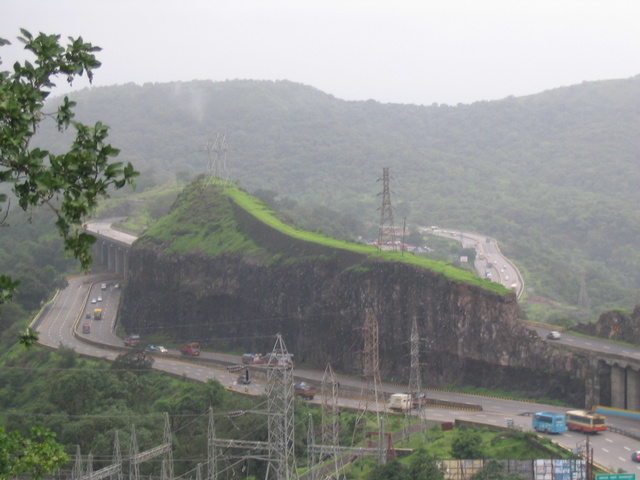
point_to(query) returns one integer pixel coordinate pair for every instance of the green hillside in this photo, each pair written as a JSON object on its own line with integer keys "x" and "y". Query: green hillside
{"x": 552, "y": 176}
{"x": 206, "y": 219}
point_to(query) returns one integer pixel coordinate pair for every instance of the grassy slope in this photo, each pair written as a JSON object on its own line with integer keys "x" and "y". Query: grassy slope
{"x": 203, "y": 220}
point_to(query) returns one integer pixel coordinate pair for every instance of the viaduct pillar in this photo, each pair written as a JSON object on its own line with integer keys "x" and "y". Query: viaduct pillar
{"x": 633, "y": 389}
{"x": 618, "y": 387}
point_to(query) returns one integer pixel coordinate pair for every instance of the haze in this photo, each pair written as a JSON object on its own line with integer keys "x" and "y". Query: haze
{"x": 417, "y": 51}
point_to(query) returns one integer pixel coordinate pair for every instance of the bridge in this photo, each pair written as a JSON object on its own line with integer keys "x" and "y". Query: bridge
{"x": 112, "y": 246}
{"x": 612, "y": 379}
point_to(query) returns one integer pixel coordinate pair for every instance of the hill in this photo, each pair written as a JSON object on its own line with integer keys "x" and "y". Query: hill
{"x": 553, "y": 176}
{"x": 221, "y": 269}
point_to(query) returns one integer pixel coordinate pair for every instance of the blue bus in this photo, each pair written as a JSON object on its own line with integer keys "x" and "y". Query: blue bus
{"x": 549, "y": 422}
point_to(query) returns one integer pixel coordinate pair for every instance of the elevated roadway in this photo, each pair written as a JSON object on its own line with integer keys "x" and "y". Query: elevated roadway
{"x": 60, "y": 325}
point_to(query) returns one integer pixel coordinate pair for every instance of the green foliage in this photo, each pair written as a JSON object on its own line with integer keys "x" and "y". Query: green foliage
{"x": 392, "y": 470}
{"x": 494, "y": 470}
{"x": 422, "y": 466}
{"x": 206, "y": 218}
{"x": 135, "y": 360}
{"x": 527, "y": 171}
{"x": 467, "y": 444}
{"x": 36, "y": 455}
{"x": 69, "y": 184}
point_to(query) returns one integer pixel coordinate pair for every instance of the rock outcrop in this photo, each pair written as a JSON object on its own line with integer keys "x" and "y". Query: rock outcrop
{"x": 614, "y": 325}
{"x": 319, "y": 297}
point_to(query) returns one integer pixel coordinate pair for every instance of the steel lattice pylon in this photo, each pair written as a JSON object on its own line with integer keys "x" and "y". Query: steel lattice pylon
{"x": 280, "y": 412}
{"x": 217, "y": 151}
{"x": 371, "y": 392}
{"x": 415, "y": 381}
{"x": 386, "y": 230}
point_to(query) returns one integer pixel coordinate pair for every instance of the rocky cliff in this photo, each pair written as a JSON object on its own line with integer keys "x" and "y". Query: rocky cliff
{"x": 222, "y": 270}
{"x": 614, "y": 325}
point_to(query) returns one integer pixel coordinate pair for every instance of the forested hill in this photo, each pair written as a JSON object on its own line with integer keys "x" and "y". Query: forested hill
{"x": 553, "y": 176}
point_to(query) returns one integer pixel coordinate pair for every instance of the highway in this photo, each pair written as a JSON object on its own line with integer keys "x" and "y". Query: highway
{"x": 489, "y": 258}
{"x": 68, "y": 312}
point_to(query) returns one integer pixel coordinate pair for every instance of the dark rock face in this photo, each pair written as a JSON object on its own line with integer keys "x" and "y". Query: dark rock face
{"x": 614, "y": 325}
{"x": 468, "y": 335}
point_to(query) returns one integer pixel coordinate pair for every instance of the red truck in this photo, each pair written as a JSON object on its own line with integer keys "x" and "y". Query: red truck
{"x": 190, "y": 349}
{"x": 132, "y": 341}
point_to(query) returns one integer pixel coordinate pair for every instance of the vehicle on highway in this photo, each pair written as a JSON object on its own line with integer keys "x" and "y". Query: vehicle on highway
{"x": 281, "y": 360}
{"x": 93, "y": 300}
{"x": 192, "y": 349}
{"x": 635, "y": 456}
{"x": 156, "y": 349}
{"x": 87, "y": 315}
{"x": 244, "y": 378}
{"x": 586, "y": 421}
{"x": 400, "y": 402}
{"x": 99, "y": 299}
{"x": 103, "y": 286}
{"x": 252, "y": 358}
{"x": 132, "y": 341}
{"x": 86, "y": 328}
{"x": 304, "y": 390}
{"x": 549, "y": 422}
{"x": 553, "y": 335}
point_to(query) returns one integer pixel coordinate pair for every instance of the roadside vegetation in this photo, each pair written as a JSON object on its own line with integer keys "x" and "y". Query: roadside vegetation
{"x": 40, "y": 388}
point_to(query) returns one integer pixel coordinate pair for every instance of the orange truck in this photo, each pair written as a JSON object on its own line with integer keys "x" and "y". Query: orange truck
{"x": 190, "y": 349}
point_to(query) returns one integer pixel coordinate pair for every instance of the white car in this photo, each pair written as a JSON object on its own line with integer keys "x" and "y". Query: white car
{"x": 93, "y": 300}
{"x": 161, "y": 349}
{"x": 553, "y": 335}
{"x": 99, "y": 299}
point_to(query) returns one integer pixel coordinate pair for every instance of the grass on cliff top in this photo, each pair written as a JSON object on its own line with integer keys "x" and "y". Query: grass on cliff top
{"x": 261, "y": 212}
{"x": 203, "y": 220}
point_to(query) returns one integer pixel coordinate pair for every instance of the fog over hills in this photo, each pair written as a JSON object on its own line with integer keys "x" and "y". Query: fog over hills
{"x": 552, "y": 176}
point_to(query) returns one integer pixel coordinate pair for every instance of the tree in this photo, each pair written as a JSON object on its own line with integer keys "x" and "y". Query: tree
{"x": 35, "y": 456}
{"x": 71, "y": 183}
{"x": 467, "y": 445}
{"x": 494, "y": 470}
{"x": 392, "y": 470}
{"x": 424, "y": 467}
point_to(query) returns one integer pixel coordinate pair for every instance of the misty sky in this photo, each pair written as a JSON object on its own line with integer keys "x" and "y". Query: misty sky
{"x": 401, "y": 51}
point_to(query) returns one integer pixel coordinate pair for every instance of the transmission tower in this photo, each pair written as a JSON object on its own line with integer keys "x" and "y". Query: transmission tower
{"x": 415, "y": 384}
{"x": 212, "y": 472}
{"x": 217, "y": 152}
{"x": 330, "y": 414}
{"x": 134, "y": 462}
{"x": 386, "y": 230}
{"x": 167, "y": 456}
{"x": 76, "y": 471}
{"x": 117, "y": 457}
{"x": 280, "y": 412}
{"x": 371, "y": 393}
{"x": 330, "y": 409}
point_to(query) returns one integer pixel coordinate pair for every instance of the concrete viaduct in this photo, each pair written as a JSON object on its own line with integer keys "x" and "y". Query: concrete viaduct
{"x": 613, "y": 380}
{"x": 112, "y": 246}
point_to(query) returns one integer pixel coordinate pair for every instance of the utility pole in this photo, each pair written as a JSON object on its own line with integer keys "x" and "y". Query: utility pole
{"x": 386, "y": 230}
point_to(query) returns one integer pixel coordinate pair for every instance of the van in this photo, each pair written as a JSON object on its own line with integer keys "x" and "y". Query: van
{"x": 400, "y": 402}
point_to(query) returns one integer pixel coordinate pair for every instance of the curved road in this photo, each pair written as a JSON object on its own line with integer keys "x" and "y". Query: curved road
{"x": 60, "y": 325}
